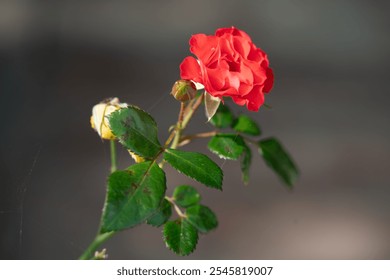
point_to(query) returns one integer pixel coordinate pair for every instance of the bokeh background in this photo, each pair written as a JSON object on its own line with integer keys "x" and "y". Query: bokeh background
{"x": 330, "y": 109}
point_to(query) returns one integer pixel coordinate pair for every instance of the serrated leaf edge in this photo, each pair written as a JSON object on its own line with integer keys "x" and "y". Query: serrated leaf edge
{"x": 212, "y": 186}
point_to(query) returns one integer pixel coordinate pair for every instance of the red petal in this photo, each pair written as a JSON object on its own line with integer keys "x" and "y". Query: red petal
{"x": 190, "y": 70}
{"x": 239, "y": 100}
{"x": 270, "y": 80}
{"x": 216, "y": 78}
{"x": 255, "y": 98}
{"x": 204, "y": 47}
{"x": 234, "y": 31}
{"x": 242, "y": 46}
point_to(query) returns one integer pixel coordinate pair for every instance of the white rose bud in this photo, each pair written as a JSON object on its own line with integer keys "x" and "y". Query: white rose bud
{"x": 100, "y": 114}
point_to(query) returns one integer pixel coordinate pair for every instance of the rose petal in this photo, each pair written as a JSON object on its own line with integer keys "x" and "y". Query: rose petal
{"x": 190, "y": 70}
{"x": 245, "y": 88}
{"x": 242, "y": 46}
{"x": 216, "y": 78}
{"x": 246, "y": 73}
{"x": 205, "y": 47}
{"x": 227, "y": 50}
{"x": 258, "y": 72}
{"x": 239, "y": 100}
{"x": 270, "y": 80}
{"x": 234, "y": 31}
{"x": 233, "y": 80}
{"x": 255, "y": 98}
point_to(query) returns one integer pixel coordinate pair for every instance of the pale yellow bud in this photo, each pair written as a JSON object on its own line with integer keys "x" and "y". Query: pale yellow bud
{"x": 100, "y": 114}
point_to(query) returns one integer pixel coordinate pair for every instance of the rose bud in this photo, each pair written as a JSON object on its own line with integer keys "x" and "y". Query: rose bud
{"x": 100, "y": 114}
{"x": 183, "y": 90}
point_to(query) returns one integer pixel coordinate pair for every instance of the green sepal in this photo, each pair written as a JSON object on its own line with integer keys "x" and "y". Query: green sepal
{"x": 136, "y": 130}
{"x": 196, "y": 166}
{"x": 186, "y": 196}
{"x": 279, "y": 160}
{"x": 162, "y": 214}
{"x": 133, "y": 195}
{"x": 211, "y": 104}
{"x": 202, "y": 218}
{"x": 180, "y": 236}
{"x": 227, "y": 146}
{"x": 223, "y": 118}
{"x": 247, "y": 125}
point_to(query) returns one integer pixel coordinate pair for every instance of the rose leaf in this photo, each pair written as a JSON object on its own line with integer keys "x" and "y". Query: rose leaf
{"x": 136, "y": 130}
{"x": 196, "y": 166}
{"x": 279, "y": 160}
{"x": 246, "y": 125}
{"x": 186, "y": 196}
{"x": 180, "y": 236}
{"x": 162, "y": 214}
{"x": 227, "y": 146}
{"x": 133, "y": 195}
{"x": 202, "y": 218}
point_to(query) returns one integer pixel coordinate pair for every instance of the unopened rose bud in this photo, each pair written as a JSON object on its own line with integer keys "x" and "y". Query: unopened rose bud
{"x": 99, "y": 118}
{"x": 183, "y": 90}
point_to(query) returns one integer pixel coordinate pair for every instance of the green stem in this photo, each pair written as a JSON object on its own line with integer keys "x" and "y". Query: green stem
{"x": 185, "y": 139}
{"x": 192, "y": 110}
{"x": 92, "y": 248}
{"x": 179, "y": 127}
{"x": 113, "y": 156}
{"x": 184, "y": 118}
{"x": 177, "y": 209}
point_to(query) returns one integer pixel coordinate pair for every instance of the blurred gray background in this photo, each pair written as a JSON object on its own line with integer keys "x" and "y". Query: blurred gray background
{"x": 330, "y": 109}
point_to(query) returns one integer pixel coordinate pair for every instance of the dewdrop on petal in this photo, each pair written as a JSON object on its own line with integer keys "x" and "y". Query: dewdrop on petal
{"x": 99, "y": 118}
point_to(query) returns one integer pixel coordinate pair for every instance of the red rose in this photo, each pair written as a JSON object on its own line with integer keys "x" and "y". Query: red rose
{"x": 229, "y": 64}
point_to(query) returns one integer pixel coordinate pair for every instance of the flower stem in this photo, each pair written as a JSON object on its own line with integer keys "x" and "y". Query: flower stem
{"x": 185, "y": 116}
{"x": 113, "y": 156}
{"x": 185, "y": 139}
{"x": 191, "y": 111}
{"x": 179, "y": 127}
{"x": 99, "y": 239}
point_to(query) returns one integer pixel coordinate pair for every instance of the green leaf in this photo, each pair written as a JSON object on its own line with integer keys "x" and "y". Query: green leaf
{"x": 223, "y": 118}
{"x": 246, "y": 160}
{"x": 136, "y": 130}
{"x": 232, "y": 146}
{"x": 133, "y": 195}
{"x": 202, "y": 218}
{"x": 162, "y": 214}
{"x": 186, "y": 196}
{"x": 196, "y": 166}
{"x": 180, "y": 236}
{"x": 211, "y": 105}
{"x": 278, "y": 159}
{"x": 227, "y": 146}
{"x": 246, "y": 125}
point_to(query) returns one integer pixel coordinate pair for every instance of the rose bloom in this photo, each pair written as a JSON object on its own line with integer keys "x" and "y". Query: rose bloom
{"x": 229, "y": 65}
